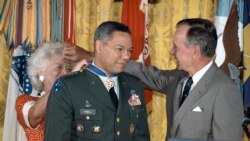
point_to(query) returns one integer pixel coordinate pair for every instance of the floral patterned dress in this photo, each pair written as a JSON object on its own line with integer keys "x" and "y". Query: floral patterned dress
{"x": 32, "y": 134}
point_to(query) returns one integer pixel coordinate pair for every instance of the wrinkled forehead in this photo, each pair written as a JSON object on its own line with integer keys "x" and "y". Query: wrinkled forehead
{"x": 181, "y": 32}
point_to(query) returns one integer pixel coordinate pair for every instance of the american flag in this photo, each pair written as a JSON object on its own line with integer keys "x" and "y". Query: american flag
{"x": 19, "y": 83}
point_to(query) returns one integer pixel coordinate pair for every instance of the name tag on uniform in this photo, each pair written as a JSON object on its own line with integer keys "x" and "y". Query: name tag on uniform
{"x": 87, "y": 111}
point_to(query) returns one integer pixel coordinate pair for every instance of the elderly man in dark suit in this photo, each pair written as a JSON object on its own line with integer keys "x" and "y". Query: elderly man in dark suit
{"x": 100, "y": 103}
{"x": 202, "y": 103}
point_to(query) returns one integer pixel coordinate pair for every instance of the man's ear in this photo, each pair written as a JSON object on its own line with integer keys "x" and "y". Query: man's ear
{"x": 197, "y": 49}
{"x": 98, "y": 46}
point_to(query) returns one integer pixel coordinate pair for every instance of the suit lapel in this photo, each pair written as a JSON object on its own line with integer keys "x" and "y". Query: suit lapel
{"x": 98, "y": 90}
{"x": 177, "y": 115}
{"x": 178, "y": 96}
{"x": 194, "y": 95}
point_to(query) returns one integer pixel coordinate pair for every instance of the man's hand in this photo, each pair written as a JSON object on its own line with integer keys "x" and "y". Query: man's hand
{"x": 80, "y": 65}
{"x": 75, "y": 54}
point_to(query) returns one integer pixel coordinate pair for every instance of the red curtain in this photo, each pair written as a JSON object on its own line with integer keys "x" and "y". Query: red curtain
{"x": 133, "y": 17}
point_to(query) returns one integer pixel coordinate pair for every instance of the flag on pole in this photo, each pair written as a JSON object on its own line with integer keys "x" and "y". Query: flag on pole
{"x": 246, "y": 25}
{"x": 19, "y": 83}
{"x": 223, "y": 8}
{"x": 246, "y": 13}
{"x": 23, "y": 29}
{"x": 4, "y": 12}
{"x": 229, "y": 30}
{"x": 246, "y": 30}
{"x": 57, "y": 18}
{"x": 25, "y": 21}
{"x": 69, "y": 22}
{"x": 134, "y": 15}
{"x": 28, "y": 25}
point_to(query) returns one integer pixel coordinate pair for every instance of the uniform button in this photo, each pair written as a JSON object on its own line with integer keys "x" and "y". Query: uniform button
{"x": 79, "y": 128}
{"x": 118, "y": 133}
{"x": 118, "y": 119}
{"x": 87, "y": 117}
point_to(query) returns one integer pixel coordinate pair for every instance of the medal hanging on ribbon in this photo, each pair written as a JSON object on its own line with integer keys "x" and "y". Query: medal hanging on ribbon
{"x": 109, "y": 83}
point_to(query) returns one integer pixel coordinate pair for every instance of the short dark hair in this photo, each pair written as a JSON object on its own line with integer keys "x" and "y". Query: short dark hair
{"x": 202, "y": 32}
{"x": 105, "y": 30}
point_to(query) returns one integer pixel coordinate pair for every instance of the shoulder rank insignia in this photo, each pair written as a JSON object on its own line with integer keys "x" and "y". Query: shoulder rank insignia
{"x": 57, "y": 86}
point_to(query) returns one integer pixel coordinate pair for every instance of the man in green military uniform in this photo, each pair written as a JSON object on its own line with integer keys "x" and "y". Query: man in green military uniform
{"x": 100, "y": 103}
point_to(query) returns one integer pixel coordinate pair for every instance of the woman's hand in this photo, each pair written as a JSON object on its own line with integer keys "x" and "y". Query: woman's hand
{"x": 80, "y": 65}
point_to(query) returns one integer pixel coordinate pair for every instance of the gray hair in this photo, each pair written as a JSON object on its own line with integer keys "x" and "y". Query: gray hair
{"x": 39, "y": 60}
{"x": 202, "y": 32}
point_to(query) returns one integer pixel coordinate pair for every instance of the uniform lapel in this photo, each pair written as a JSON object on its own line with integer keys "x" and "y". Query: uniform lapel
{"x": 124, "y": 94}
{"x": 194, "y": 95}
{"x": 98, "y": 90}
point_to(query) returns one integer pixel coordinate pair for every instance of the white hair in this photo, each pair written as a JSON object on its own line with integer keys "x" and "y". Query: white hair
{"x": 39, "y": 59}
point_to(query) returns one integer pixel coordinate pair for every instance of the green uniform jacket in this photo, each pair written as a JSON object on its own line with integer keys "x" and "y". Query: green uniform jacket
{"x": 80, "y": 109}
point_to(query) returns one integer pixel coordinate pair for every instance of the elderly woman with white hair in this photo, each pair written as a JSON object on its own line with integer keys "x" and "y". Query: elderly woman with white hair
{"x": 45, "y": 65}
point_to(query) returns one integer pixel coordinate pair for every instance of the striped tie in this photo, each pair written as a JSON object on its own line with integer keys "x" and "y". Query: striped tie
{"x": 186, "y": 90}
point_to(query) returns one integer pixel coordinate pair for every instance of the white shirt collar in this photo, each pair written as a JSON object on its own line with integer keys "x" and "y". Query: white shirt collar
{"x": 198, "y": 75}
{"x": 104, "y": 79}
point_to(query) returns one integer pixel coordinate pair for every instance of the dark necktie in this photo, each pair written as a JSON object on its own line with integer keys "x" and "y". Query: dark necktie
{"x": 113, "y": 97}
{"x": 110, "y": 86}
{"x": 186, "y": 90}
{"x": 109, "y": 83}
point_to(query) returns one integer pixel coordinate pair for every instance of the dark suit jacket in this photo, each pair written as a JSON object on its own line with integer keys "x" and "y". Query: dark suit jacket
{"x": 80, "y": 108}
{"x": 215, "y": 95}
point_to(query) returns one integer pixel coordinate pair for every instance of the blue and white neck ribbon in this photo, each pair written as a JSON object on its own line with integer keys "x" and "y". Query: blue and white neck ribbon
{"x": 94, "y": 69}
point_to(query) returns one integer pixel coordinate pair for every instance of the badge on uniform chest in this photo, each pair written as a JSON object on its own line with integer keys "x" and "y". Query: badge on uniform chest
{"x": 89, "y": 112}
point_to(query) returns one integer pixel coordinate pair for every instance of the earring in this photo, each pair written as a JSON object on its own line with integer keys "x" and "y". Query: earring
{"x": 41, "y": 78}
